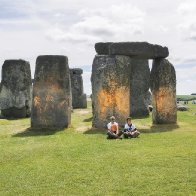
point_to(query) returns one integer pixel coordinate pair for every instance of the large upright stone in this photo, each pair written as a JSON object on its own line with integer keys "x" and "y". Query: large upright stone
{"x": 51, "y": 106}
{"x": 139, "y": 87}
{"x": 110, "y": 89}
{"x": 163, "y": 87}
{"x": 141, "y": 50}
{"x": 79, "y": 99}
{"x": 15, "y": 89}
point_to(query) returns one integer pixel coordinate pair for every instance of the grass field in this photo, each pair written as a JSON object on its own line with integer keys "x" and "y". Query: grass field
{"x": 80, "y": 161}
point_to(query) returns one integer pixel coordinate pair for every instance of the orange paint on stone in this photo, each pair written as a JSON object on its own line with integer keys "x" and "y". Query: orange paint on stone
{"x": 117, "y": 99}
{"x": 49, "y": 98}
{"x": 123, "y": 100}
{"x": 165, "y": 101}
{"x": 55, "y": 88}
{"x": 37, "y": 101}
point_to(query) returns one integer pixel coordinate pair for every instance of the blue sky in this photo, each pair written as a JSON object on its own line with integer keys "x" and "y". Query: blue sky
{"x": 29, "y": 28}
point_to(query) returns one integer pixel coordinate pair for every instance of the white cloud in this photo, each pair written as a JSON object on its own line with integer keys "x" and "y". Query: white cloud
{"x": 29, "y": 28}
{"x": 86, "y": 78}
{"x": 113, "y": 23}
{"x": 186, "y": 83}
{"x": 186, "y": 73}
{"x": 187, "y": 14}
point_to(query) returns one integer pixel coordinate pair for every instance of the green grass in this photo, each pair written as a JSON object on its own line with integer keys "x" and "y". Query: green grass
{"x": 80, "y": 161}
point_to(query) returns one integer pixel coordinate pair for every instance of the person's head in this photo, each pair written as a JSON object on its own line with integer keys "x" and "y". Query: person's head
{"x": 112, "y": 118}
{"x": 129, "y": 120}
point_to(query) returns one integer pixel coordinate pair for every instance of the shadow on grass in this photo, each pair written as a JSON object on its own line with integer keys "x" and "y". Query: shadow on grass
{"x": 152, "y": 129}
{"x": 88, "y": 119}
{"x": 159, "y": 128}
{"x": 95, "y": 131}
{"x": 29, "y": 132}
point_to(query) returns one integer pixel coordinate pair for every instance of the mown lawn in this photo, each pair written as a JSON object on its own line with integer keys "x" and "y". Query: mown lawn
{"x": 80, "y": 161}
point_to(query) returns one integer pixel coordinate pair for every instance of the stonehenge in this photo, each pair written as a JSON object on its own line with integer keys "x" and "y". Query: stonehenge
{"x": 51, "y": 106}
{"x": 79, "y": 99}
{"x": 107, "y": 83}
{"x": 15, "y": 89}
{"x": 121, "y": 80}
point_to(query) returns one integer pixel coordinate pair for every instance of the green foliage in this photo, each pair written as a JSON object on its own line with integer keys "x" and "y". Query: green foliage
{"x": 80, "y": 161}
{"x": 186, "y": 97}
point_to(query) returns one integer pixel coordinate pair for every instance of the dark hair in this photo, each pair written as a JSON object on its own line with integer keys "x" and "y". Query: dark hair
{"x": 129, "y": 118}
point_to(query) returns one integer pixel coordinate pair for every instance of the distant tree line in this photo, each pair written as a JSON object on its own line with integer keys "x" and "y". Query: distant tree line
{"x": 186, "y": 97}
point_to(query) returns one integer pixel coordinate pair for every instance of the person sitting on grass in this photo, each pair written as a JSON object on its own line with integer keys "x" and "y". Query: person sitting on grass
{"x": 113, "y": 131}
{"x": 130, "y": 130}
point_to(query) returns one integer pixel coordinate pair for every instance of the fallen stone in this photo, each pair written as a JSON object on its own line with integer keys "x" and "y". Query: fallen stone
{"x": 181, "y": 107}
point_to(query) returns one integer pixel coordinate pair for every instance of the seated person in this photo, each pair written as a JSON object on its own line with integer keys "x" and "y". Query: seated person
{"x": 130, "y": 130}
{"x": 113, "y": 132}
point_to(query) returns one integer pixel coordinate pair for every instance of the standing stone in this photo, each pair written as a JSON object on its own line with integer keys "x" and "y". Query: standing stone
{"x": 15, "y": 89}
{"x": 51, "y": 106}
{"x": 139, "y": 87}
{"x": 163, "y": 87}
{"x": 110, "y": 89}
{"x": 79, "y": 99}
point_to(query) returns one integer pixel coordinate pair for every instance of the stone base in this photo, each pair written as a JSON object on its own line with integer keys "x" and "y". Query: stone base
{"x": 15, "y": 112}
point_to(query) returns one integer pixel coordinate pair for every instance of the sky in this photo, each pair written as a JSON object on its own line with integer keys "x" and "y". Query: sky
{"x": 29, "y": 28}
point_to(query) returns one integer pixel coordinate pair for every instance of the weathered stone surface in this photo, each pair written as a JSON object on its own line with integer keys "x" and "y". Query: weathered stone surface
{"x": 148, "y": 99}
{"x": 76, "y": 71}
{"x": 163, "y": 87}
{"x": 110, "y": 89}
{"x": 141, "y": 50}
{"x": 102, "y": 48}
{"x": 15, "y": 89}
{"x": 51, "y": 93}
{"x": 79, "y": 99}
{"x": 139, "y": 87}
{"x": 181, "y": 107}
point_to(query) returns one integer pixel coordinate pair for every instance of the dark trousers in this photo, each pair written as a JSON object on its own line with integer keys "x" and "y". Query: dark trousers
{"x": 113, "y": 135}
{"x": 133, "y": 134}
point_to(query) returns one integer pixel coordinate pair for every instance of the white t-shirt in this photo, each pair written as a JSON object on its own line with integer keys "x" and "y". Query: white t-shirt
{"x": 131, "y": 127}
{"x": 109, "y": 125}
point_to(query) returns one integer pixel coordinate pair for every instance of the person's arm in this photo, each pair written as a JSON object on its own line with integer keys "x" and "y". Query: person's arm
{"x": 109, "y": 126}
{"x": 133, "y": 128}
{"x": 117, "y": 131}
